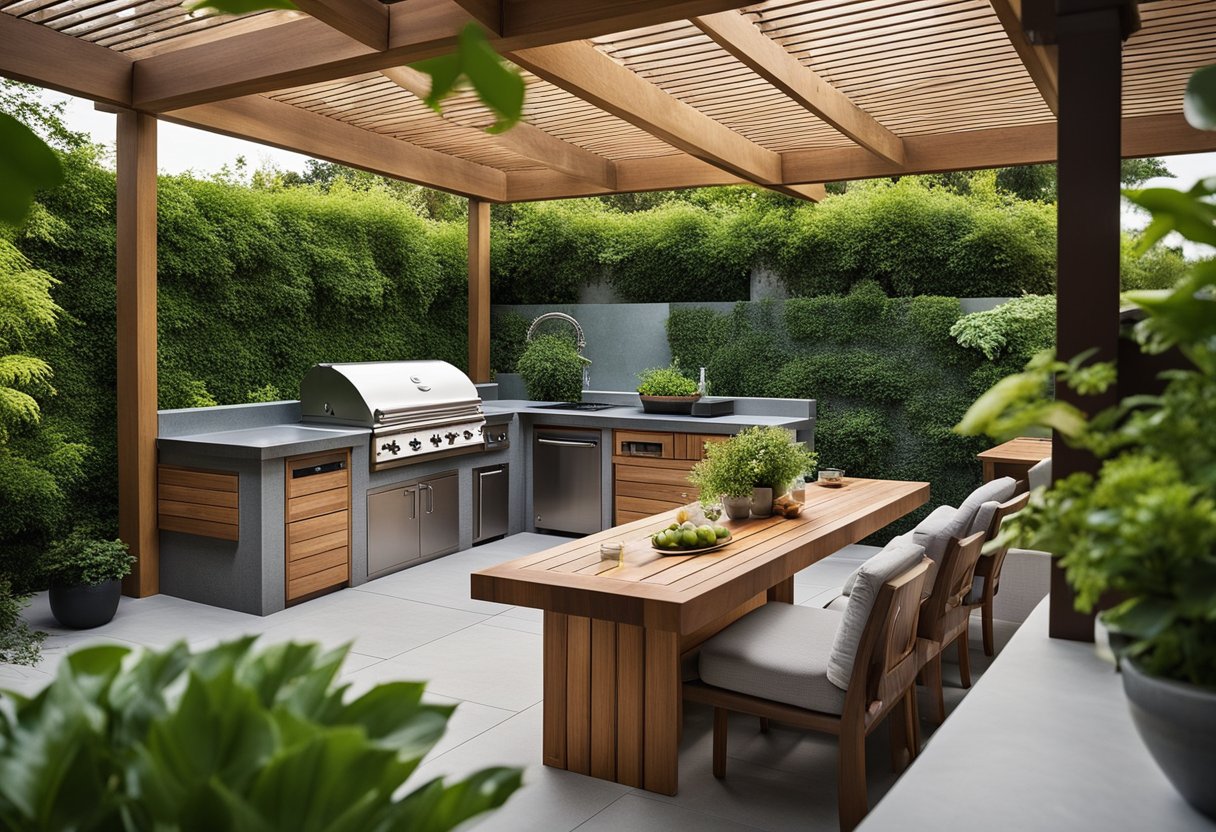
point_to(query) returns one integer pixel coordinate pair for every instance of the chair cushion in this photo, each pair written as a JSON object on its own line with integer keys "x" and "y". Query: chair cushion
{"x": 847, "y": 589}
{"x": 935, "y": 536}
{"x": 1039, "y": 474}
{"x": 896, "y": 558}
{"x": 778, "y": 652}
{"x": 983, "y": 518}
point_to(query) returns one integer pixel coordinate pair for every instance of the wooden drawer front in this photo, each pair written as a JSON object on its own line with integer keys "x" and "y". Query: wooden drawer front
{"x": 623, "y": 516}
{"x": 664, "y": 441}
{"x": 657, "y": 491}
{"x": 317, "y": 503}
{"x": 316, "y": 545}
{"x": 317, "y": 581}
{"x": 672, "y": 473}
{"x": 198, "y": 502}
{"x": 316, "y": 526}
{"x": 319, "y": 562}
{"x": 694, "y": 444}
{"x": 299, "y": 486}
{"x": 647, "y": 507}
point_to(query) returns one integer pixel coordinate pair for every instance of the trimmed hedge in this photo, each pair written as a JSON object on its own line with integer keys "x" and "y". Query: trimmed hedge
{"x": 254, "y": 287}
{"x": 890, "y": 378}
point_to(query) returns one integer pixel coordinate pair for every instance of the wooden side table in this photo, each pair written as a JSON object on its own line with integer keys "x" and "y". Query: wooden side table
{"x": 1015, "y": 457}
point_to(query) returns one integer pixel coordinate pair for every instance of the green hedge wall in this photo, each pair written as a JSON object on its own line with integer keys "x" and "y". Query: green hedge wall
{"x": 254, "y": 287}
{"x": 889, "y": 374}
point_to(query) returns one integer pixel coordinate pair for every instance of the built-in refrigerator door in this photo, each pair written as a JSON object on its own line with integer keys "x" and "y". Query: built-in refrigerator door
{"x": 490, "y": 502}
{"x": 394, "y": 521}
{"x": 439, "y": 501}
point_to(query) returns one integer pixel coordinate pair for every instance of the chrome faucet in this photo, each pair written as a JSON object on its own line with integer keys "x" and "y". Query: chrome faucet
{"x": 580, "y": 339}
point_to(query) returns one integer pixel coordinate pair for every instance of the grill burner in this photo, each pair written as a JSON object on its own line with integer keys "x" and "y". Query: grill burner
{"x": 413, "y": 408}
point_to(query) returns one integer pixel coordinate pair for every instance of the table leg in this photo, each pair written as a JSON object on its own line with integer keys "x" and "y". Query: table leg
{"x": 782, "y": 593}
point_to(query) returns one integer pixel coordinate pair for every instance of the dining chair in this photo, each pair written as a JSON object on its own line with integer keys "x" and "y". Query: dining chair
{"x": 828, "y": 671}
{"x": 987, "y": 580}
{"x": 944, "y": 618}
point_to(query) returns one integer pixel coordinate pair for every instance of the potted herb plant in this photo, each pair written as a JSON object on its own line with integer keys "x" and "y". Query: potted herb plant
{"x": 86, "y": 580}
{"x": 552, "y": 369}
{"x": 667, "y": 390}
{"x": 748, "y": 470}
{"x": 1144, "y": 528}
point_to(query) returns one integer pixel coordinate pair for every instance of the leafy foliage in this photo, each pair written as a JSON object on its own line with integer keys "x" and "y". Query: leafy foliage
{"x": 498, "y": 86}
{"x": 508, "y": 335}
{"x": 757, "y": 457}
{"x": 27, "y": 166}
{"x": 81, "y": 560}
{"x": 18, "y": 643}
{"x": 227, "y": 738}
{"x": 1023, "y": 326}
{"x": 552, "y": 369}
{"x": 666, "y": 381}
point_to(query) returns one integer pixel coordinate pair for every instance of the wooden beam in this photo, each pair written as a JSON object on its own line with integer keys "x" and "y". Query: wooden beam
{"x": 363, "y": 20}
{"x": 741, "y": 38}
{"x": 814, "y": 192}
{"x": 136, "y": 323}
{"x": 479, "y": 291}
{"x": 37, "y": 54}
{"x": 581, "y": 69}
{"x": 281, "y": 125}
{"x": 486, "y": 12}
{"x": 308, "y": 51}
{"x": 523, "y": 139}
{"x": 1040, "y": 61}
{"x": 1162, "y": 135}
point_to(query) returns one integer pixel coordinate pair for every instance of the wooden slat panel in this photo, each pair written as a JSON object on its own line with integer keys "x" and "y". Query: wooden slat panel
{"x": 334, "y": 576}
{"x": 216, "y": 514}
{"x": 316, "y": 526}
{"x": 641, "y": 506}
{"x": 578, "y": 694}
{"x": 630, "y": 516}
{"x": 603, "y": 699}
{"x": 651, "y": 462}
{"x": 661, "y": 724}
{"x": 204, "y": 528}
{"x": 303, "y": 567}
{"x": 630, "y": 695}
{"x": 195, "y": 478}
{"x": 681, "y": 494}
{"x": 315, "y": 545}
{"x": 555, "y": 641}
{"x": 316, "y": 504}
{"x": 666, "y": 476}
{"x": 302, "y": 486}
{"x": 697, "y": 442}
{"x": 665, "y": 440}
{"x": 201, "y": 496}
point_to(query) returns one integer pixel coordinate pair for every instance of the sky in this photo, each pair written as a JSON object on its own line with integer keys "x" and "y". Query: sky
{"x": 183, "y": 148}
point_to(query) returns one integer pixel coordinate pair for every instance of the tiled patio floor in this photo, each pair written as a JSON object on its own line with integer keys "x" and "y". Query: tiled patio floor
{"x": 421, "y": 624}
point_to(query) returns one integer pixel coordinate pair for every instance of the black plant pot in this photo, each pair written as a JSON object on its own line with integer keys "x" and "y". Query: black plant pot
{"x": 1177, "y": 722}
{"x": 84, "y": 606}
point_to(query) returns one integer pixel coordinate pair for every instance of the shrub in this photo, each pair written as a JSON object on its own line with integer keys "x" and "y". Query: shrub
{"x": 80, "y": 560}
{"x": 226, "y": 739}
{"x": 552, "y": 369}
{"x": 695, "y": 334}
{"x": 666, "y": 381}
{"x": 18, "y": 643}
{"x": 1019, "y": 328}
{"x": 757, "y": 457}
{"x": 508, "y": 334}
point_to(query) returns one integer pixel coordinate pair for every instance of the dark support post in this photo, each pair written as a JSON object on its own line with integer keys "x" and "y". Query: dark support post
{"x": 1090, "y": 36}
{"x": 136, "y": 318}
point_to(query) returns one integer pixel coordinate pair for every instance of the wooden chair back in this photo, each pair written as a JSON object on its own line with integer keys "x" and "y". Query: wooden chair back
{"x": 996, "y": 558}
{"x": 886, "y": 657}
{"x": 955, "y": 574}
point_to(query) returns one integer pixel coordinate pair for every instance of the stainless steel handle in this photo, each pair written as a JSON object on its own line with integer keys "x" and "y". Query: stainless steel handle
{"x": 413, "y": 492}
{"x": 484, "y": 474}
{"x": 430, "y": 498}
{"x": 567, "y": 443}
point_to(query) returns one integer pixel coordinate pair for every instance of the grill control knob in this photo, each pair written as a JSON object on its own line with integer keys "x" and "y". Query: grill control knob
{"x": 392, "y": 447}
{"x": 415, "y": 445}
{"x": 468, "y": 434}
{"x": 435, "y": 440}
{"x": 452, "y": 437}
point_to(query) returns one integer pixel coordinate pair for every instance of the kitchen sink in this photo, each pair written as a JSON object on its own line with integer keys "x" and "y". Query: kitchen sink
{"x": 577, "y": 406}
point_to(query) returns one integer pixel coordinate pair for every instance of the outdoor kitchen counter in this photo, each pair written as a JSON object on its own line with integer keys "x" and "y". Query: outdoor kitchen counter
{"x": 266, "y": 442}
{"x": 632, "y": 417}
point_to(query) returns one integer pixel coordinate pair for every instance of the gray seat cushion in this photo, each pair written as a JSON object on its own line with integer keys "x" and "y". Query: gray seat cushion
{"x": 778, "y": 652}
{"x": 847, "y": 589}
{"x": 983, "y": 518}
{"x": 896, "y": 558}
{"x": 935, "y": 537}
{"x": 1039, "y": 475}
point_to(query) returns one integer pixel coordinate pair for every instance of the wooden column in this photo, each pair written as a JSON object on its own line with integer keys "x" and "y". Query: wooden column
{"x": 479, "y": 290}
{"x": 136, "y": 209}
{"x": 1089, "y": 35}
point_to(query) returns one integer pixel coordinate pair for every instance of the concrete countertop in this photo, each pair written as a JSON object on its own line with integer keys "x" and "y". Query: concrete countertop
{"x": 265, "y": 442}
{"x": 626, "y": 417}
{"x": 1044, "y": 741}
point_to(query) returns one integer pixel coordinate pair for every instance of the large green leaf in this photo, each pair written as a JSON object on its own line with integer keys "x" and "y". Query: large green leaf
{"x": 435, "y": 806}
{"x": 1199, "y": 105}
{"x": 27, "y": 165}
{"x": 498, "y": 86}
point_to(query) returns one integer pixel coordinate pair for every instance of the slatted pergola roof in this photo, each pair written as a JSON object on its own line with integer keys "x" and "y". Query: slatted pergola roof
{"x": 622, "y": 95}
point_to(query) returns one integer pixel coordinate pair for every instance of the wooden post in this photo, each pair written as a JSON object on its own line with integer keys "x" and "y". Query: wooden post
{"x": 1090, "y": 39}
{"x": 479, "y": 290}
{"x": 136, "y": 243}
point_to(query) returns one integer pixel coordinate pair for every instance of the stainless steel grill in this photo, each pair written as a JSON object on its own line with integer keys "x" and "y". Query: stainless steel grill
{"x": 413, "y": 408}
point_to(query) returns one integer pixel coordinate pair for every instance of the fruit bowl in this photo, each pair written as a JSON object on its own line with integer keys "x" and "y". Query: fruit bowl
{"x": 680, "y": 538}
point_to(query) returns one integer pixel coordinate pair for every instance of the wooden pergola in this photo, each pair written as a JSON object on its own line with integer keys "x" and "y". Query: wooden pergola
{"x": 628, "y": 95}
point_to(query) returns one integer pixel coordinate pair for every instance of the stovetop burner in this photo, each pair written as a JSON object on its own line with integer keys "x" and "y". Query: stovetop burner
{"x": 577, "y": 406}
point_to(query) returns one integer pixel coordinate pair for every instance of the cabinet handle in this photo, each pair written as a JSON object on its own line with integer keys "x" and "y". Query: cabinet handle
{"x": 413, "y": 494}
{"x": 430, "y": 498}
{"x": 567, "y": 443}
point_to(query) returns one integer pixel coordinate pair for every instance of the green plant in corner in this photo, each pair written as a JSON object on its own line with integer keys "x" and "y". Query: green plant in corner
{"x": 82, "y": 560}
{"x": 666, "y": 381}
{"x": 227, "y": 738}
{"x": 552, "y": 369}
{"x": 757, "y": 457}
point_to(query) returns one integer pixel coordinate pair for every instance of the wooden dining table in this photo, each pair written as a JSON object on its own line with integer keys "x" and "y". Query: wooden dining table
{"x": 615, "y": 634}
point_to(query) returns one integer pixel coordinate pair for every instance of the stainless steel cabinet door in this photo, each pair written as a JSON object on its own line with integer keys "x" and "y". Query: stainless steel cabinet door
{"x": 490, "y": 502}
{"x": 393, "y": 528}
{"x": 439, "y": 499}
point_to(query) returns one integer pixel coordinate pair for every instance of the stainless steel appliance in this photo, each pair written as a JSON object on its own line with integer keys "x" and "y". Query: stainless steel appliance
{"x": 566, "y": 482}
{"x": 407, "y": 522}
{"x": 491, "y": 499}
{"x": 415, "y": 409}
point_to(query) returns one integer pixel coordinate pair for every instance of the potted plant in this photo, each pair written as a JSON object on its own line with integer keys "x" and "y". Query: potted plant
{"x": 667, "y": 390}
{"x": 1143, "y": 530}
{"x": 748, "y": 470}
{"x": 552, "y": 369}
{"x": 86, "y": 580}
